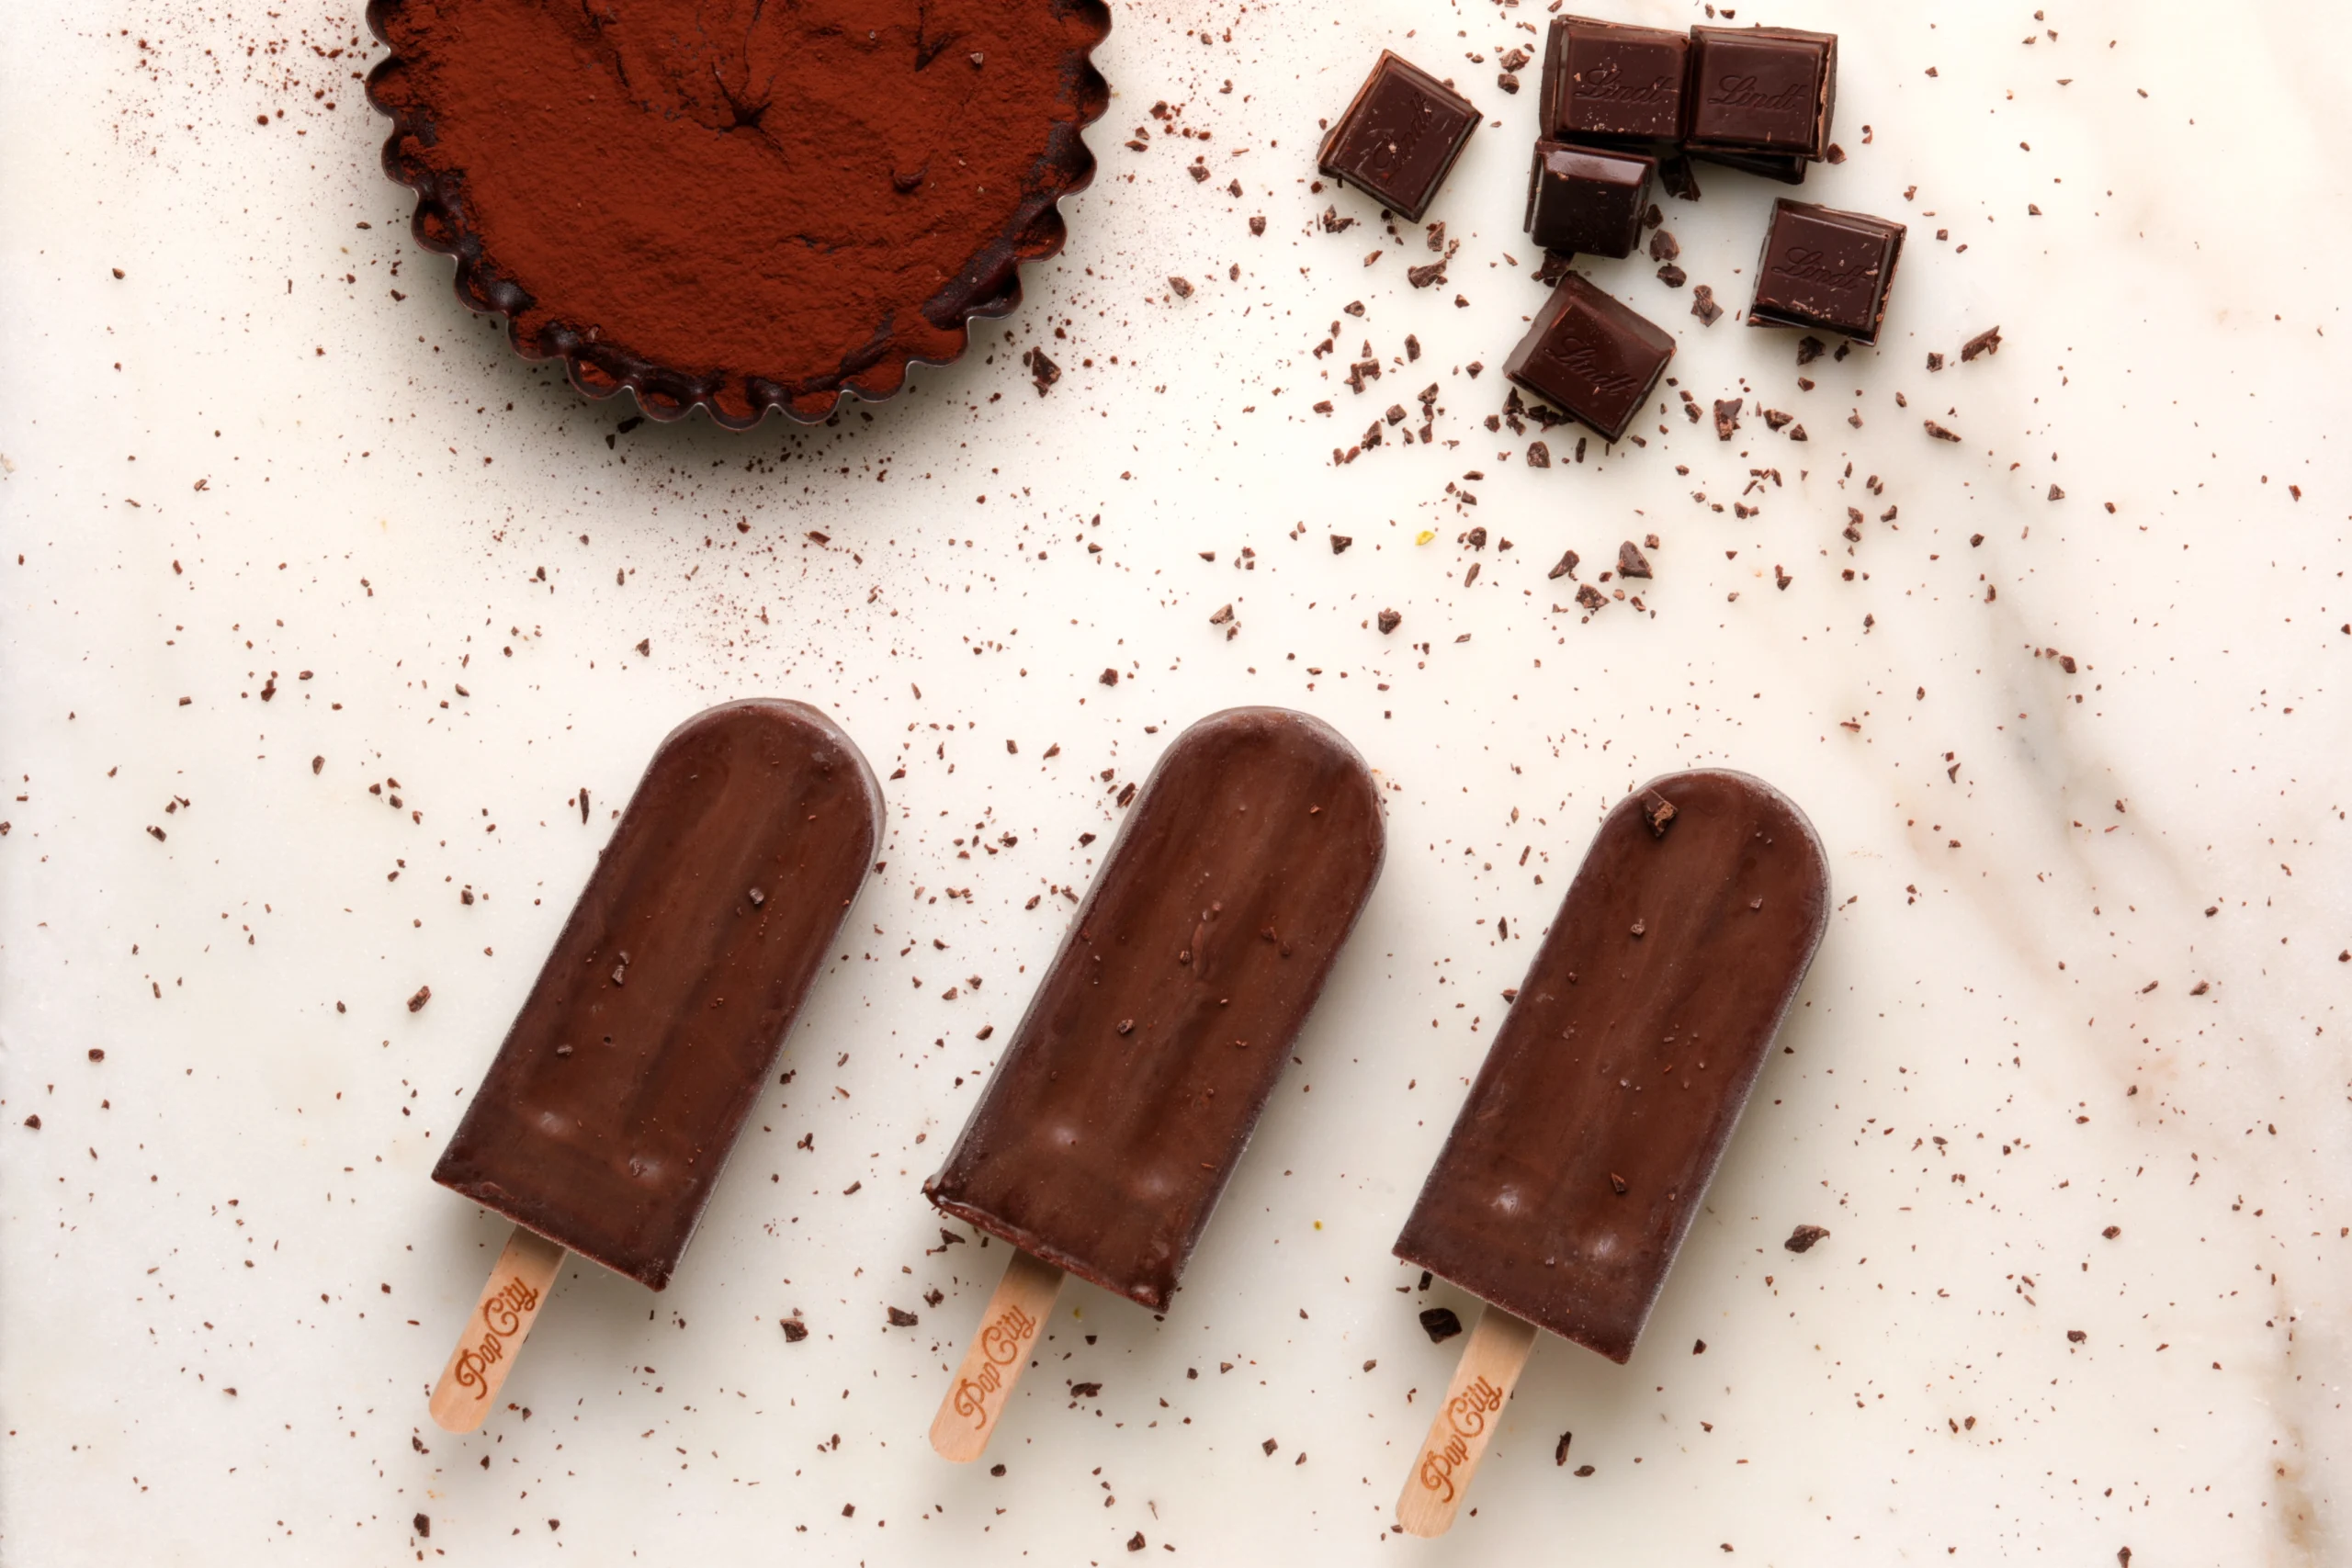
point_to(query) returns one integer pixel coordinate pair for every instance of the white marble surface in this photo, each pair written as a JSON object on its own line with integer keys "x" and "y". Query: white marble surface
{"x": 226, "y": 1281}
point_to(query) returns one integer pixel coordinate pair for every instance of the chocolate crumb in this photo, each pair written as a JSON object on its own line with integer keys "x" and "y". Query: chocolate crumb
{"x": 1939, "y": 432}
{"x": 1672, "y": 275}
{"x": 1560, "y": 1452}
{"x": 1425, "y": 277}
{"x": 1257, "y": 225}
{"x": 2057, "y": 494}
{"x": 1109, "y": 677}
{"x": 1659, "y": 812}
{"x": 1440, "y": 1323}
{"x": 2111, "y": 1231}
{"x": 901, "y": 1318}
{"x": 1135, "y": 1542}
{"x": 1182, "y": 287}
{"x": 1085, "y": 1390}
{"x": 1617, "y": 1184}
{"x": 423, "y": 995}
{"x": 1935, "y": 362}
{"x": 1339, "y": 543}
{"x": 1726, "y": 417}
{"x": 1987, "y": 342}
{"x": 1631, "y": 562}
{"x": 1801, "y": 1238}
{"x": 794, "y": 1331}
{"x": 1584, "y": 1470}
{"x": 1539, "y": 456}
{"x": 1565, "y": 568}
{"x": 1042, "y": 370}
{"x": 2075, "y": 1336}
{"x": 1810, "y": 348}
{"x": 1704, "y": 306}
{"x": 422, "y": 1525}
{"x": 1390, "y": 620}
{"x": 1591, "y": 599}
{"x": 1664, "y": 246}
{"x": 1270, "y": 1444}
{"x": 1699, "y": 1348}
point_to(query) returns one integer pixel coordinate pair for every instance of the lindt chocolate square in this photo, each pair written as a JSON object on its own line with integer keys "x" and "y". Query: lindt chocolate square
{"x": 1761, "y": 90}
{"x": 1400, "y": 137}
{"x": 1590, "y": 358}
{"x": 1588, "y": 199}
{"x": 1608, "y": 83}
{"x": 1826, "y": 270}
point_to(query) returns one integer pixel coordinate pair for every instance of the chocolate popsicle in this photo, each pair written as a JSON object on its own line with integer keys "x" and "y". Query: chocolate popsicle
{"x": 1585, "y": 1146}
{"x": 605, "y": 1119}
{"x": 1124, "y": 1101}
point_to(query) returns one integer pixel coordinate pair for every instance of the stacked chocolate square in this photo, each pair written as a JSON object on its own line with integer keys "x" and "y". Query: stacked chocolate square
{"x": 1622, "y": 109}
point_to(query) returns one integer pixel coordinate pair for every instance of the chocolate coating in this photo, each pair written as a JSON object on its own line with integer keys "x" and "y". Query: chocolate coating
{"x": 605, "y": 1117}
{"x": 1586, "y": 1142}
{"x": 1606, "y": 82}
{"x": 1588, "y": 200}
{"x": 1825, "y": 269}
{"x": 1768, "y": 90}
{"x": 1399, "y": 135}
{"x": 1127, "y": 1094}
{"x": 1590, "y": 356}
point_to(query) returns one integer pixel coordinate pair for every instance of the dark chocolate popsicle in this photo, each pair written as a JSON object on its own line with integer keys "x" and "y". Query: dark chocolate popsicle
{"x": 1612, "y": 1087}
{"x": 1124, "y": 1099}
{"x": 604, "y": 1120}
{"x": 1586, "y": 1142}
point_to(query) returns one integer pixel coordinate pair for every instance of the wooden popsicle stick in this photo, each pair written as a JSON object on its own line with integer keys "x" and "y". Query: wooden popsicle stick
{"x": 1015, "y": 1317}
{"x": 1490, "y": 1365}
{"x": 511, "y": 1299}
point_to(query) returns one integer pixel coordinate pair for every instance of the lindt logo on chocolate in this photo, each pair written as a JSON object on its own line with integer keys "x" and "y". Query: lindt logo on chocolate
{"x": 1608, "y": 84}
{"x": 1002, "y": 1343}
{"x": 1465, "y": 1417}
{"x": 1801, "y": 265}
{"x": 1593, "y": 364}
{"x": 501, "y": 1316}
{"x": 1735, "y": 92}
{"x": 1393, "y": 150}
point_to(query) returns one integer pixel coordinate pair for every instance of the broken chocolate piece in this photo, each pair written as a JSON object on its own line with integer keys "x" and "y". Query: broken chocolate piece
{"x": 1401, "y": 136}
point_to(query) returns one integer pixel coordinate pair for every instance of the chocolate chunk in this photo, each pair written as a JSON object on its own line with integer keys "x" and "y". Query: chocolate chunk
{"x": 1679, "y": 176}
{"x": 1604, "y": 82}
{"x": 1631, "y": 562}
{"x": 1585, "y": 199}
{"x": 1565, "y": 568}
{"x": 423, "y": 1525}
{"x": 1810, "y": 348}
{"x": 1664, "y": 247}
{"x": 1987, "y": 342}
{"x": 1560, "y": 1450}
{"x": 423, "y": 995}
{"x": 1109, "y": 677}
{"x": 1826, "y": 269}
{"x": 1389, "y": 621}
{"x": 1726, "y": 417}
{"x": 1672, "y": 275}
{"x": 1399, "y": 137}
{"x": 1042, "y": 370}
{"x": 1704, "y": 306}
{"x": 1085, "y": 1390}
{"x": 1591, "y": 599}
{"x": 1801, "y": 1238}
{"x": 1590, "y": 356}
{"x": 1440, "y": 1325}
{"x": 1935, "y": 362}
{"x": 794, "y": 1331}
{"x": 1761, "y": 90}
{"x": 1339, "y": 543}
{"x": 1539, "y": 456}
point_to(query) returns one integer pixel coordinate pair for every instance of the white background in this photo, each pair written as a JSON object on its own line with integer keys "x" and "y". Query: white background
{"x": 226, "y": 1280}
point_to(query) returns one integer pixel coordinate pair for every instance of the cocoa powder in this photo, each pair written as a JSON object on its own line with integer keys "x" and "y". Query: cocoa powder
{"x": 735, "y": 203}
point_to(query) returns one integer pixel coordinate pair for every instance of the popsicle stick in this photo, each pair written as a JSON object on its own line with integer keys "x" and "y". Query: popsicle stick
{"x": 1490, "y": 1365}
{"x": 983, "y": 1385}
{"x": 511, "y": 1299}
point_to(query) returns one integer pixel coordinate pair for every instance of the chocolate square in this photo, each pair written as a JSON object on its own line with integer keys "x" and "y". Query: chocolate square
{"x": 1761, "y": 90}
{"x": 1588, "y": 199}
{"x": 1608, "y": 82}
{"x": 1590, "y": 358}
{"x": 1826, "y": 270}
{"x": 1401, "y": 136}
